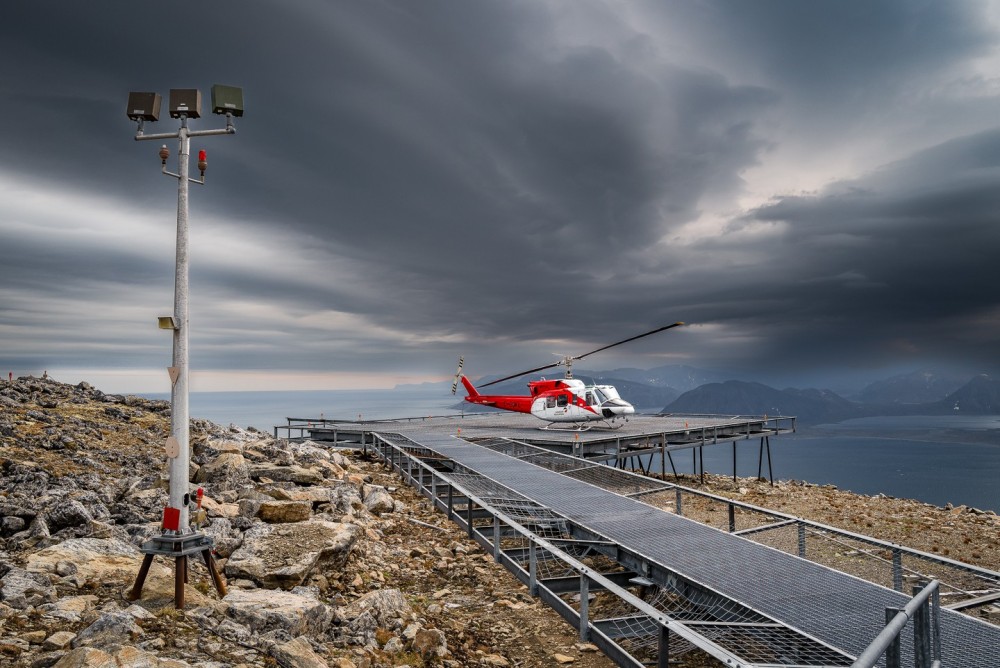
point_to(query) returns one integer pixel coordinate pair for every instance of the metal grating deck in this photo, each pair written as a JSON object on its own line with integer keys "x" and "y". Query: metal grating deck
{"x": 838, "y": 609}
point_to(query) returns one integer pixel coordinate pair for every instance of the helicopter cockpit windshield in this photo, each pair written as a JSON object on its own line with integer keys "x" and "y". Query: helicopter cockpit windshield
{"x": 595, "y": 397}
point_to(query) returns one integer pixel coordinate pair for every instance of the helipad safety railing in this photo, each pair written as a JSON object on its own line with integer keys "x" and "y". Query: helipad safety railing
{"x": 963, "y": 586}
{"x": 648, "y": 615}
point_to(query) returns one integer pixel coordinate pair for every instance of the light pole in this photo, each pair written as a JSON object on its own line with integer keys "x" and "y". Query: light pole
{"x": 177, "y": 539}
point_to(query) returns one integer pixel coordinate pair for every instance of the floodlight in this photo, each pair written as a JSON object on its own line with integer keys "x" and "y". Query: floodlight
{"x": 167, "y": 322}
{"x": 143, "y": 106}
{"x": 227, "y": 100}
{"x": 185, "y": 101}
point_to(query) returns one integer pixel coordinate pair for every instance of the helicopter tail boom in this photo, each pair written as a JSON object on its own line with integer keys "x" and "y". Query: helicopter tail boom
{"x": 469, "y": 387}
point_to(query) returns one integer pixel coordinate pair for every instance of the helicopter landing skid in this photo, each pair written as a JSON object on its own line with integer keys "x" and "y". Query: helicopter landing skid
{"x": 580, "y": 426}
{"x": 567, "y": 426}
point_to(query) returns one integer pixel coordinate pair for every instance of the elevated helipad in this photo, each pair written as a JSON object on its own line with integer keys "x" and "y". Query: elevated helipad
{"x": 640, "y": 436}
{"x": 746, "y": 603}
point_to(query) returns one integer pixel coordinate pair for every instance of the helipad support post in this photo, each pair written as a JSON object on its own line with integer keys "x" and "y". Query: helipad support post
{"x": 178, "y": 540}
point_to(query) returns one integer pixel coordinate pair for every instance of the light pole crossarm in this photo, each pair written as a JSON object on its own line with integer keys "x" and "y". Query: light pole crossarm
{"x": 139, "y": 136}
{"x": 229, "y": 130}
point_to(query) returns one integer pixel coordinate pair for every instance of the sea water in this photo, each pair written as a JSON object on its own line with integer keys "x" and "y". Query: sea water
{"x": 937, "y": 459}
{"x": 265, "y": 410}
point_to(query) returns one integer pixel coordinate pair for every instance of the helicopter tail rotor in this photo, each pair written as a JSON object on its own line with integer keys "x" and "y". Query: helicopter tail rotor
{"x": 458, "y": 374}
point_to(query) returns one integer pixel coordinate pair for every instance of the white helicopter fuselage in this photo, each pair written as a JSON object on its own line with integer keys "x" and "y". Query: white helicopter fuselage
{"x": 574, "y": 401}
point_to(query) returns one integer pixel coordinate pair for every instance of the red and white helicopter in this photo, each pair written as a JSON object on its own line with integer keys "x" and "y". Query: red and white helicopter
{"x": 565, "y": 401}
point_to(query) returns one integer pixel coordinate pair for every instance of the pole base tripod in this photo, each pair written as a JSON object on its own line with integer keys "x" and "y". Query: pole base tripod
{"x": 179, "y": 547}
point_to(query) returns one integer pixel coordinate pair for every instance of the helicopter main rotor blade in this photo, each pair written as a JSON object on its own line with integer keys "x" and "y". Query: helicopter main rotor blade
{"x": 612, "y": 345}
{"x": 562, "y": 362}
{"x": 523, "y": 373}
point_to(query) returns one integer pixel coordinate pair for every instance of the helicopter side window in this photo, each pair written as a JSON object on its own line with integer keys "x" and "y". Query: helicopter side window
{"x": 590, "y": 399}
{"x": 562, "y": 400}
{"x": 550, "y": 402}
{"x": 601, "y": 397}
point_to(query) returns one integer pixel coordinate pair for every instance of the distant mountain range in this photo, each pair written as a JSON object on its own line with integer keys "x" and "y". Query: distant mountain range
{"x": 686, "y": 389}
{"x": 979, "y": 396}
{"x": 737, "y": 397}
{"x": 918, "y": 387}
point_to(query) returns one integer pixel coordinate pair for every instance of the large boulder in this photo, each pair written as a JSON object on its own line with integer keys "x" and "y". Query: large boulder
{"x": 132, "y": 657}
{"x": 227, "y": 471}
{"x": 281, "y": 512}
{"x": 97, "y": 560}
{"x": 296, "y": 474}
{"x": 103, "y": 561}
{"x": 284, "y": 555}
{"x": 262, "y": 611}
{"x": 314, "y": 495}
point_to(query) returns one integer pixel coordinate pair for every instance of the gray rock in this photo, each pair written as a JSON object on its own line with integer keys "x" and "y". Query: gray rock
{"x": 86, "y": 657}
{"x": 224, "y": 536}
{"x": 59, "y": 640}
{"x": 378, "y": 500}
{"x": 234, "y": 631}
{"x": 388, "y": 607}
{"x": 345, "y": 498}
{"x": 21, "y": 589}
{"x": 70, "y": 513}
{"x": 284, "y": 555}
{"x": 361, "y": 630}
{"x": 11, "y": 524}
{"x": 279, "y": 512}
{"x": 394, "y": 645}
{"x": 297, "y": 653}
{"x": 263, "y": 610}
{"x": 228, "y": 471}
{"x": 296, "y": 474}
{"x": 109, "y": 632}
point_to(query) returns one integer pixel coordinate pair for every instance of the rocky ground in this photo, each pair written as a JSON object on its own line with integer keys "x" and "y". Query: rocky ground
{"x": 329, "y": 559}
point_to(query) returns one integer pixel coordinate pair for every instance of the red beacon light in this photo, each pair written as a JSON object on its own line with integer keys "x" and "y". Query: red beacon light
{"x": 202, "y": 161}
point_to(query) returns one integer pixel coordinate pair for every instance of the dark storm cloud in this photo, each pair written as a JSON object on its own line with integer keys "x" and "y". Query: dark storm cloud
{"x": 819, "y": 50}
{"x": 897, "y": 265}
{"x": 414, "y": 180}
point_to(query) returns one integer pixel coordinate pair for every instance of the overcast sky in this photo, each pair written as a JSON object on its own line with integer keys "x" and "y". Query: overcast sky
{"x": 814, "y": 187}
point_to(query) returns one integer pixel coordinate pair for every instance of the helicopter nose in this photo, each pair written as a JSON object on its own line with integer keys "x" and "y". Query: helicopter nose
{"x": 618, "y": 407}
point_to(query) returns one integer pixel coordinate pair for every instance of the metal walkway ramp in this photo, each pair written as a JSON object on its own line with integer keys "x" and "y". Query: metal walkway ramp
{"x": 779, "y": 598}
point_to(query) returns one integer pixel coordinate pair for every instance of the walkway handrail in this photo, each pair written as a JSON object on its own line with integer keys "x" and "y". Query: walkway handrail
{"x": 924, "y": 645}
{"x": 588, "y": 576}
{"x": 979, "y": 571}
{"x": 586, "y": 573}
